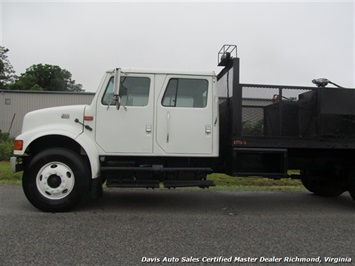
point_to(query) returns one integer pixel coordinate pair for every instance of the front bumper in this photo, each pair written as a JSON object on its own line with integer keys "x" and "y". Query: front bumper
{"x": 16, "y": 164}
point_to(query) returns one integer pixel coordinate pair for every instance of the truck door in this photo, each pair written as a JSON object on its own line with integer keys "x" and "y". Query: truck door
{"x": 184, "y": 116}
{"x": 129, "y": 129}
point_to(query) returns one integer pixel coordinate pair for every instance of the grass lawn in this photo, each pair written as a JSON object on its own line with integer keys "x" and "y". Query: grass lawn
{"x": 225, "y": 182}
{"x": 222, "y": 181}
{"x": 6, "y": 175}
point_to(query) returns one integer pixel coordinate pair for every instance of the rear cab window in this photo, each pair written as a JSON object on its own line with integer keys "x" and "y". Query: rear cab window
{"x": 185, "y": 92}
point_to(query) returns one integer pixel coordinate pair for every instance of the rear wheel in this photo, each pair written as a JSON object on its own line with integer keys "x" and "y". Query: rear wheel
{"x": 56, "y": 179}
{"x": 351, "y": 184}
{"x": 323, "y": 184}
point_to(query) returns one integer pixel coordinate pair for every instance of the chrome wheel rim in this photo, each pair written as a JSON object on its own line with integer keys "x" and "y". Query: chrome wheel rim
{"x": 55, "y": 180}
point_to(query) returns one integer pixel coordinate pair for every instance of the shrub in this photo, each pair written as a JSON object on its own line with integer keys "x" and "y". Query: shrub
{"x": 4, "y": 136}
{"x": 6, "y": 147}
{"x": 255, "y": 129}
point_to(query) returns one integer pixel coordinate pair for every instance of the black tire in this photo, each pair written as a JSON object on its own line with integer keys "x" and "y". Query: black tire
{"x": 324, "y": 186}
{"x": 56, "y": 179}
{"x": 351, "y": 184}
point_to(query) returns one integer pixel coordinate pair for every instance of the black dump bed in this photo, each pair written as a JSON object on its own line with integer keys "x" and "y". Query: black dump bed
{"x": 265, "y": 130}
{"x": 273, "y": 116}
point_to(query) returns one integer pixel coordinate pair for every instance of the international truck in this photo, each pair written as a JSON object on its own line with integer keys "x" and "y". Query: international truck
{"x": 160, "y": 128}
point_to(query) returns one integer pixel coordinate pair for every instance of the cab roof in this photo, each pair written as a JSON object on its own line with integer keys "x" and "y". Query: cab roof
{"x": 165, "y": 71}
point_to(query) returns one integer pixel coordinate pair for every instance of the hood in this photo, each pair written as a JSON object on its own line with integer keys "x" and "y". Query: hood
{"x": 58, "y": 116}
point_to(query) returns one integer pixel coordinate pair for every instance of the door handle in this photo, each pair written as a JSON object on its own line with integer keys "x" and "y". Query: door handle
{"x": 208, "y": 129}
{"x": 168, "y": 127}
{"x": 148, "y": 128}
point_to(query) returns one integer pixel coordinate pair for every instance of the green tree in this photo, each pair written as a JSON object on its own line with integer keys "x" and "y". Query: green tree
{"x": 7, "y": 73}
{"x": 47, "y": 78}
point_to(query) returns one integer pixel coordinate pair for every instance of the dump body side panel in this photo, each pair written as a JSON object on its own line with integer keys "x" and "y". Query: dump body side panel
{"x": 265, "y": 126}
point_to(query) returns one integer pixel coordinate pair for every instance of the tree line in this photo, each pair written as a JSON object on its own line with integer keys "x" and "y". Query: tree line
{"x": 39, "y": 77}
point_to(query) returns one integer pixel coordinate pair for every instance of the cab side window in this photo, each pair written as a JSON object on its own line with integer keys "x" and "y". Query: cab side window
{"x": 188, "y": 93}
{"x": 134, "y": 91}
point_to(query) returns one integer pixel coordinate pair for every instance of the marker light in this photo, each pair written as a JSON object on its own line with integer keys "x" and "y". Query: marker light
{"x": 88, "y": 118}
{"x": 18, "y": 145}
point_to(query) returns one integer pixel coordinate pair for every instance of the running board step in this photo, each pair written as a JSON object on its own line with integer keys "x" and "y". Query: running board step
{"x": 188, "y": 183}
{"x": 156, "y": 168}
{"x": 155, "y": 183}
{"x": 133, "y": 183}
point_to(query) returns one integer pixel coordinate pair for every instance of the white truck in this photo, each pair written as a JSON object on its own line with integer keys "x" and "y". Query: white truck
{"x": 152, "y": 128}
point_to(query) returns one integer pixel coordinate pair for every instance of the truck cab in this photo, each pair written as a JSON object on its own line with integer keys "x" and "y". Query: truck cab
{"x": 160, "y": 114}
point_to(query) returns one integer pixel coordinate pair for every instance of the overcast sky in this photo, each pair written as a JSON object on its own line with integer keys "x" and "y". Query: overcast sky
{"x": 278, "y": 42}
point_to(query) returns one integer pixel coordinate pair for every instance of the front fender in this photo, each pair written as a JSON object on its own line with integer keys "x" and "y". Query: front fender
{"x": 29, "y": 136}
{"x": 91, "y": 151}
{"x": 72, "y": 133}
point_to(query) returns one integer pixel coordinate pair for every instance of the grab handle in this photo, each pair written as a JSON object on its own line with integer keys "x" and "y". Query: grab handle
{"x": 168, "y": 127}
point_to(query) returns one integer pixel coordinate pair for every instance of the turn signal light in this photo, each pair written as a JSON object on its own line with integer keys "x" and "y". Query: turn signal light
{"x": 88, "y": 118}
{"x": 18, "y": 145}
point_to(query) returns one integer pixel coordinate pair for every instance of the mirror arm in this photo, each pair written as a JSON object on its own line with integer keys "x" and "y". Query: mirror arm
{"x": 116, "y": 87}
{"x": 118, "y": 101}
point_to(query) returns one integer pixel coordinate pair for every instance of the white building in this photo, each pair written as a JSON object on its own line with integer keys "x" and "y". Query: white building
{"x": 15, "y": 104}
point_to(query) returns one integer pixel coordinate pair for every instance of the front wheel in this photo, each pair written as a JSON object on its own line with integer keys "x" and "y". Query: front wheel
{"x": 55, "y": 180}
